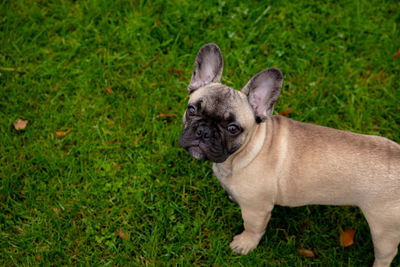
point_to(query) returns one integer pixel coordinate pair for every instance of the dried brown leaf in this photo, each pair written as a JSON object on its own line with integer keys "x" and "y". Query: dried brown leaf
{"x": 380, "y": 75}
{"x": 397, "y": 54}
{"x": 177, "y": 71}
{"x": 109, "y": 91}
{"x": 20, "y": 124}
{"x": 56, "y": 211}
{"x": 144, "y": 260}
{"x": 123, "y": 235}
{"x": 264, "y": 49}
{"x": 286, "y": 112}
{"x": 147, "y": 64}
{"x": 306, "y": 253}
{"x": 347, "y": 237}
{"x": 61, "y": 133}
{"x": 163, "y": 115}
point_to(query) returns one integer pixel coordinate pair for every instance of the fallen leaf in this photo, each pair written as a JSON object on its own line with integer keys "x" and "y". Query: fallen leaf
{"x": 117, "y": 166}
{"x": 20, "y": 124}
{"x": 264, "y": 49}
{"x": 306, "y": 253}
{"x": 123, "y": 235}
{"x": 109, "y": 91}
{"x": 145, "y": 261}
{"x": 12, "y": 69}
{"x": 177, "y": 71}
{"x": 380, "y": 75}
{"x": 61, "y": 133}
{"x": 347, "y": 237}
{"x": 56, "y": 211}
{"x": 397, "y": 54}
{"x": 195, "y": 198}
{"x": 163, "y": 115}
{"x": 286, "y": 112}
{"x": 147, "y": 64}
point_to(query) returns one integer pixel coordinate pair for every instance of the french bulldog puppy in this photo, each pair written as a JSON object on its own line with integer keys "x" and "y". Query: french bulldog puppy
{"x": 263, "y": 160}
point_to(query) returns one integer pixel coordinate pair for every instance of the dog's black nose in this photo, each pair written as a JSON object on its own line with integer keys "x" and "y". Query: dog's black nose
{"x": 203, "y": 132}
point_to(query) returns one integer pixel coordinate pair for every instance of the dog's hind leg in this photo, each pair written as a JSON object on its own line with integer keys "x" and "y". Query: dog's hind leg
{"x": 384, "y": 224}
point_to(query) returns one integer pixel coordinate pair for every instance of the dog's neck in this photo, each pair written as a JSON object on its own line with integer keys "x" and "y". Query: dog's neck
{"x": 246, "y": 154}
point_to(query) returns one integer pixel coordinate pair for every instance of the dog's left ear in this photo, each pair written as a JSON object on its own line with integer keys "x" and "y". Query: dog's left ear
{"x": 262, "y": 92}
{"x": 207, "y": 67}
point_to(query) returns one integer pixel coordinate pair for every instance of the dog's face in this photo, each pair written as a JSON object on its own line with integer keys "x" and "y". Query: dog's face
{"x": 216, "y": 122}
{"x": 219, "y": 119}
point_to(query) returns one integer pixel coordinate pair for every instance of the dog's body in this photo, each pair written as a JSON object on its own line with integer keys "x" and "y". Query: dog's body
{"x": 298, "y": 164}
{"x": 263, "y": 160}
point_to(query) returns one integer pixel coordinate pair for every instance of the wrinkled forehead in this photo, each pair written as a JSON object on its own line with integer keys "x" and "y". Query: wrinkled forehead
{"x": 219, "y": 101}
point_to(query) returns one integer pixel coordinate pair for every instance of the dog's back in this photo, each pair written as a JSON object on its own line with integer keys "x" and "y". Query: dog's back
{"x": 342, "y": 167}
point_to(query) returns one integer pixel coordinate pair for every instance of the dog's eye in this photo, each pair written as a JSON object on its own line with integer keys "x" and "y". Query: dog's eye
{"x": 191, "y": 110}
{"x": 233, "y": 129}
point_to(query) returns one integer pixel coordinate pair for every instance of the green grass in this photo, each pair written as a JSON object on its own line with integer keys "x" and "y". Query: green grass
{"x": 64, "y": 200}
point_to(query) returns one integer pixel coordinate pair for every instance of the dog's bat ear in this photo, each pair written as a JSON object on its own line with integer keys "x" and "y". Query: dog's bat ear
{"x": 262, "y": 92}
{"x": 207, "y": 67}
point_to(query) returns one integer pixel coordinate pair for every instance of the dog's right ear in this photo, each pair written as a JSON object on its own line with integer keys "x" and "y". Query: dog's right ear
{"x": 262, "y": 92}
{"x": 207, "y": 67}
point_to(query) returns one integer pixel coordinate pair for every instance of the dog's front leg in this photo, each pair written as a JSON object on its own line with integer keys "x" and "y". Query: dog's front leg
{"x": 255, "y": 221}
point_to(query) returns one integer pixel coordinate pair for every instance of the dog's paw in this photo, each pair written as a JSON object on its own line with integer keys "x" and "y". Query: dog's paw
{"x": 244, "y": 243}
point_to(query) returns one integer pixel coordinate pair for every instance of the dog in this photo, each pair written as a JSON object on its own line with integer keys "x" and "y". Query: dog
{"x": 263, "y": 160}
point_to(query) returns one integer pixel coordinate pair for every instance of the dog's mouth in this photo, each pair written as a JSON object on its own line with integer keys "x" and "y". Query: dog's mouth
{"x": 199, "y": 152}
{"x": 202, "y": 151}
{"x": 196, "y": 152}
{"x": 193, "y": 147}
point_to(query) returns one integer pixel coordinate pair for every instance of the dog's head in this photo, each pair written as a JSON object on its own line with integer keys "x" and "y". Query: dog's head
{"x": 218, "y": 118}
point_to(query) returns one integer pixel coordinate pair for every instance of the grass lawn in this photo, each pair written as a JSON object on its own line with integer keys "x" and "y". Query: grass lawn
{"x": 97, "y": 177}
